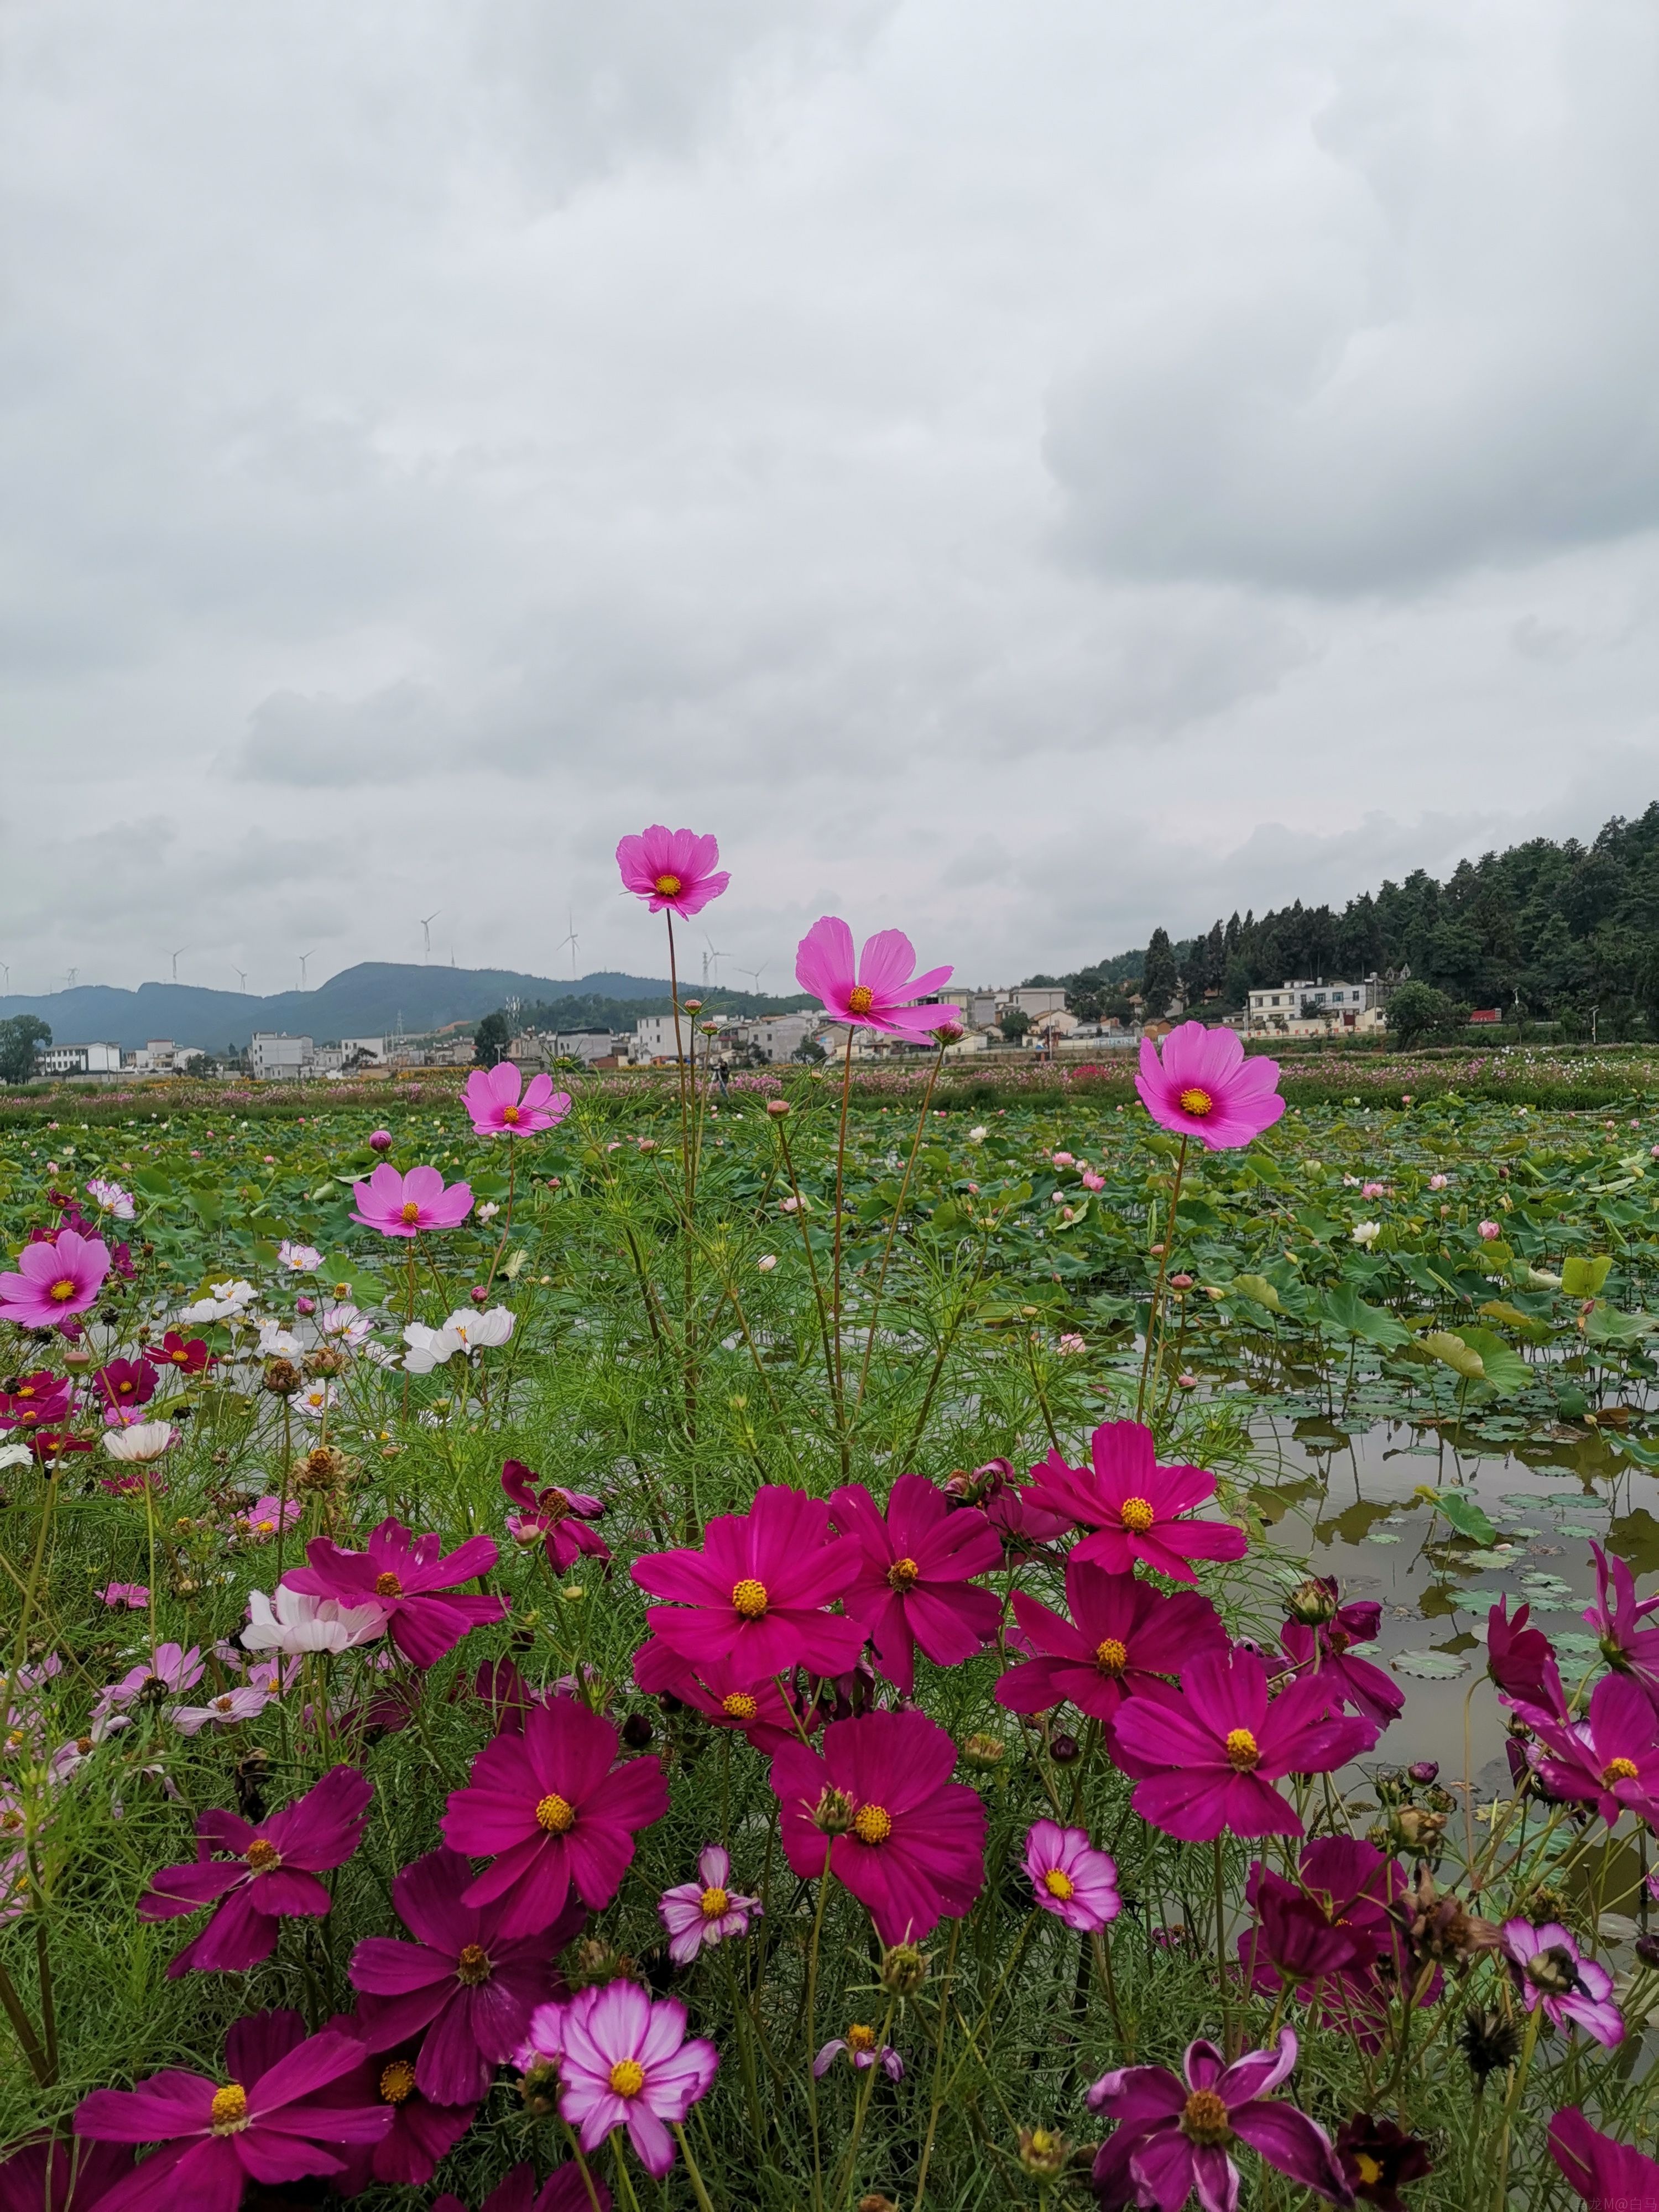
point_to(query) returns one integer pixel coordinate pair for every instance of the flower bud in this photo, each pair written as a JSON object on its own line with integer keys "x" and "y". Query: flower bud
{"x": 984, "y": 1752}
{"x": 1647, "y": 1950}
{"x": 904, "y": 1969}
{"x": 1312, "y": 1602}
{"x": 539, "y": 2088}
{"x": 636, "y": 1731}
{"x": 833, "y": 1813}
{"x": 1063, "y": 1748}
{"x": 281, "y": 1377}
{"x": 1042, "y": 2152}
{"x": 380, "y": 1141}
{"x": 1424, "y": 1771}
{"x": 777, "y": 1108}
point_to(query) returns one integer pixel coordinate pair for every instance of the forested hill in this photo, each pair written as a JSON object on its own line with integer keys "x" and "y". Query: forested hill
{"x": 1555, "y": 928}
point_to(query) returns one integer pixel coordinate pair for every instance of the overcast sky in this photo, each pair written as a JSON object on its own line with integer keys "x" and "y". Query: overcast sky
{"x": 1023, "y": 472}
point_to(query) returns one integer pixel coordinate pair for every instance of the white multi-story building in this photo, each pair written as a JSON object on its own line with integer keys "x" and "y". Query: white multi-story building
{"x": 1305, "y": 1007}
{"x": 775, "y": 1037}
{"x": 275, "y": 1057}
{"x": 81, "y": 1060}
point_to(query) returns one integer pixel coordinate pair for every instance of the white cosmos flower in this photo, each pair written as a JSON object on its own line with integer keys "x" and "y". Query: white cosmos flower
{"x": 147, "y": 1440}
{"x": 481, "y": 1332}
{"x": 276, "y": 1341}
{"x": 111, "y": 1198}
{"x": 15, "y": 1454}
{"x": 289, "y": 1620}
{"x": 303, "y": 1258}
{"x": 346, "y": 1323}
{"x": 429, "y": 1347}
{"x": 465, "y": 1331}
{"x": 315, "y": 1399}
{"x": 1367, "y": 1232}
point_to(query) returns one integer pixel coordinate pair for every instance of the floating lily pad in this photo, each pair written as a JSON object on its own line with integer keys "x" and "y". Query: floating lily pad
{"x": 1430, "y": 1665}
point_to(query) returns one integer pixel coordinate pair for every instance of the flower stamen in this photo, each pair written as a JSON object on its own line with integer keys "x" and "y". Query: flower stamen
{"x": 749, "y": 1598}
{"x": 556, "y": 1814}
{"x": 1243, "y": 1753}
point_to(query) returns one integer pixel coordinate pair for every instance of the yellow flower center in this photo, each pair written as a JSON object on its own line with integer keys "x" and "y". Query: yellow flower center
{"x": 1137, "y": 1513}
{"x": 860, "y": 2038}
{"x": 669, "y": 887}
{"x": 412, "y": 1211}
{"x": 1058, "y": 1884}
{"x": 1111, "y": 1657}
{"x": 749, "y": 1598}
{"x": 872, "y": 1823}
{"x": 387, "y": 1586}
{"x": 628, "y": 2076}
{"x": 396, "y": 2083}
{"x": 861, "y": 998}
{"x": 1619, "y": 1770}
{"x": 556, "y": 1814}
{"x": 66, "y": 1289}
{"x": 509, "y": 1113}
{"x": 262, "y": 1856}
{"x": 1194, "y": 1100}
{"x": 1243, "y": 1751}
{"x": 714, "y": 1904}
{"x": 228, "y": 2111}
{"x": 904, "y": 1575}
{"x": 472, "y": 1964}
{"x": 1369, "y": 2172}
{"x": 739, "y": 1705}
{"x": 1204, "y": 2120}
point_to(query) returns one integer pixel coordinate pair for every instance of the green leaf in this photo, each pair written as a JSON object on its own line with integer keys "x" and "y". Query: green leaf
{"x": 1582, "y": 1278}
{"x": 1346, "y": 1310}
{"x": 1258, "y": 1290}
{"x": 1605, "y": 1324}
{"x": 1461, "y": 1513}
{"x": 1500, "y": 1363}
{"x": 152, "y": 1183}
{"x": 1430, "y": 1665}
{"x": 1451, "y": 1352}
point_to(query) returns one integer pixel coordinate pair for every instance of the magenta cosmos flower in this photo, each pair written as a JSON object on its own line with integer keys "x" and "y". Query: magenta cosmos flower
{"x": 876, "y": 992}
{"x": 1610, "y": 1758}
{"x": 1550, "y": 1970}
{"x": 554, "y": 1513}
{"x": 878, "y": 1807}
{"x": 671, "y": 868}
{"x": 1172, "y": 2137}
{"x": 1598, "y": 2169}
{"x": 1625, "y": 1643}
{"x": 1139, "y": 1510}
{"x": 422, "y": 2134}
{"x": 270, "y": 1874}
{"x": 412, "y": 1581}
{"x": 722, "y": 1692}
{"x": 60, "y": 2176}
{"x": 554, "y": 1813}
{"x": 1206, "y": 1756}
{"x": 756, "y": 1592}
{"x": 1203, "y": 1087}
{"x": 1330, "y": 1932}
{"x": 493, "y": 1098}
{"x": 566, "y": 2189}
{"x": 1123, "y": 1633}
{"x": 463, "y": 1981}
{"x": 60, "y": 1276}
{"x": 913, "y": 1583}
{"x": 705, "y": 1911}
{"x": 1324, "y": 1649}
{"x": 624, "y": 2062}
{"x": 268, "y": 2121}
{"x": 404, "y": 1205}
{"x": 1071, "y": 1878}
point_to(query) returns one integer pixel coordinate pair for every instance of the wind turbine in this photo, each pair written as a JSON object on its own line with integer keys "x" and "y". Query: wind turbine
{"x": 571, "y": 941}
{"x": 755, "y": 975}
{"x": 239, "y": 973}
{"x": 715, "y": 954}
{"x": 427, "y": 920}
{"x": 72, "y": 973}
{"x": 174, "y": 956}
{"x": 6, "y": 964}
{"x": 304, "y": 956}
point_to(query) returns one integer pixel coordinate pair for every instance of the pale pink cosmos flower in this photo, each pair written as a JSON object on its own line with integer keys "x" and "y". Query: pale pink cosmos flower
{"x": 169, "y": 1667}
{"x": 502, "y": 1104}
{"x": 266, "y": 1516}
{"x": 134, "y": 1596}
{"x": 624, "y": 2062}
{"x": 301, "y": 1258}
{"x": 111, "y": 1198}
{"x": 403, "y": 1205}
{"x": 224, "y": 1710}
{"x": 860, "y": 2044}
{"x": 705, "y": 1911}
{"x": 1071, "y": 1878}
{"x": 671, "y": 868}
{"x": 876, "y": 992}
{"x": 299, "y": 1623}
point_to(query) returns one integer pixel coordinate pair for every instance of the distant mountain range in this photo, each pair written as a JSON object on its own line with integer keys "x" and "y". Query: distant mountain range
{"x": 370, "y": 1000}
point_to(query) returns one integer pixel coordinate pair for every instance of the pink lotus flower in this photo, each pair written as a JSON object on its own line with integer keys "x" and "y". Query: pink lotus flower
{"x": 1203, "y": 1087}
{"x": 913, "y": 1585}
{"x": 1610, "y": 1758}
{"x": 60, "y": 1276}
{"x": 1601, "y": 2171}
{"x": 267, "y": 2122}
{"x": 706, "y": 1910}
{"x": 403, "y": 1205}
{"x": 1490, "y": 1232}
{"x": 566, "y": 2189}
{"x": 1172, "y": 2135}
{"x": 270, "y": 1875}
{"x": 1206, "y": 1756}
{"x": 492, "y": 1097}
{"x": 1548, "y": 1969}
{"x": 422, "y": 2133}
{"x": 1439, "y": 1182}
{"x": 465, "y": 1980}
{"x": 555, "y": 1514}
{"x": 1141, "y": 1511}
{"x": 859, "y": 2043}
{"x": 554, "y": 1812}
{"x": 756, "y": 1592}
{"x": 1071, "y": 1878}
{"x": 671, "y": 868}
{"x": 624, "y": 2062}
{"x": 878, "y": 993}
{"x": 55, "y": 2175}
{"x": 1123, "y": 1633}
{"x": 413, "y": 1581}
{"x": 879, "y": 1811}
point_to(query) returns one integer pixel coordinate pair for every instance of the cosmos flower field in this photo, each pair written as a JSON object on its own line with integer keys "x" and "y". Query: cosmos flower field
{"x": 547, "y": 1663}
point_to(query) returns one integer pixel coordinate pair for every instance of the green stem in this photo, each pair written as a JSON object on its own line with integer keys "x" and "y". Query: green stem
{"x": 812, "y": 2030}
{"x": 1156, "y": 1309}
{"x": 834, "y": 1285}
{"x": 892, "y": 1227}
{"x": 697, "y": 2189}
{"x": 938, "y": 2101}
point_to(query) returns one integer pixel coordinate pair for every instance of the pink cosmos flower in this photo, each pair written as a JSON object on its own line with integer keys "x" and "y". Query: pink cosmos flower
{"x": 624, "y": 2062}
{"x": 270, "y": 1874}
{"x": 169, "y": 1670}
{"x": 492, "y": 1097}
{"x": 39, "y": 1400}
{"x": 60, "y": 1276}
{"x": 463, "y": 1981}
{"x": 412, "y": 1581}
{"x": 706, "y": 1910}
{"x": 913, "y": 1583}
{"x": 121, "y": 1384}
{"x": 403, "y": 1206}
{"x": 1071, "y": 1878}
{"x": 1330, "y": 1932}
{"x": 555, "y": 1514}
{"x": 756, "y": 1592}
{"x": 1205, "y": 1087}
{"x": 1548, "y": 1969}
{"x": 1172, "y": 2137}
{"x": 879, "y": 1808}
{"x": 1141, "y": 1512}
{"x": 422, "y": 2133}
{"x": 1206, "y": 1756}
{"x": 1522, "y": 1661}
{"x": 1598, "y": 2169}
{"x": 722, "y": 1692}
{"x": 1624, "y": 1643}
{"x": 56, "y": 2175}
{"x": 550, "y": 1807}
{"x": 268, "y": 2121}
{"x": 134, "y": 1596}
{"x": 243, "y": 1703}
{"x": 1122, "y": 1634}
{"x": 1610, "y": 1758}
{"x": 566, "y": 2189}
{"x": 878, "y": 993}
{"x": 671, "y": 868}
{"x": 859, "y": 2045}
{"x": 261, "y": 1521}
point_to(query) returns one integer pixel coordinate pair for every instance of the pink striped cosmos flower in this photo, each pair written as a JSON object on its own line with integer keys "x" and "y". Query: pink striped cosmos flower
{"x": 624, "y": 2062}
